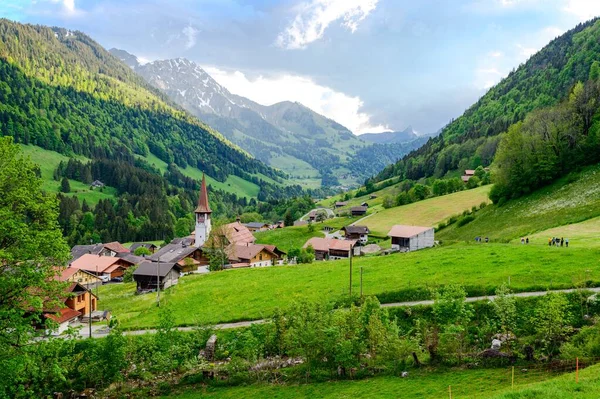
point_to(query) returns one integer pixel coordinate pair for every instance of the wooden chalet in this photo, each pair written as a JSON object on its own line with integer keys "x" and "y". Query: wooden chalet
{"x": 108, "y": 267}
{"x": 357, "y": 233}
{"x": 257, "y": 226}
{"x": 254, "y": 255}
{"x": 331, "y": 248}
{"x": 149, "y": 275}
{"x": 109, "y": 249}
{"x": 188, "y": 257}
{"x": 73, "y": 275}
{"x": 358, "y": 210}
{"x": 78, "y": 301}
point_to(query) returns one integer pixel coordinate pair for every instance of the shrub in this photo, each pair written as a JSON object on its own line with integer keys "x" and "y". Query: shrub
{"x": 465, "y": 220}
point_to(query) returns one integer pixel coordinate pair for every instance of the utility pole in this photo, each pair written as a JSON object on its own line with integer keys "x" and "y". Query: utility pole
{"x": 351, "y": 253}
{"x": 361, "y": 285}
{"x": 90, "y": 314}
{"x": 158, "y": 283}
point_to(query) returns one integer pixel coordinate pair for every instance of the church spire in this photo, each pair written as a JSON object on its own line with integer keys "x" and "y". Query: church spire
{"x": 203, "y": 206}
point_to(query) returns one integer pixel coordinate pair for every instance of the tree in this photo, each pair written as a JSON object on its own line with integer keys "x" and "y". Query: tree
{"x": 388, "y": 202}
{"x": 552, "y": 322}
{"x": 288, "y": 219}
{"x": 31, "y": 243}
{"x": 65, "y": 186}
{"x": 505, "y": 310}
{"x": 321, "y": 216}
{"x": 473, "y": 182}
{"x": 142, "y": 251}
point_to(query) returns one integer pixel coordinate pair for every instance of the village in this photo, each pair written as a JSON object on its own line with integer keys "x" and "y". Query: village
{"x": 158, "y": 268}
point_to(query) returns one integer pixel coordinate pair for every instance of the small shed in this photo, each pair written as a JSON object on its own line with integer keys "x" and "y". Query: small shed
{"x": 411, "y": 238}
{"x": 358, "y": 210}
{"x": 341, "y": 204}
{"x": 150, "y": 274}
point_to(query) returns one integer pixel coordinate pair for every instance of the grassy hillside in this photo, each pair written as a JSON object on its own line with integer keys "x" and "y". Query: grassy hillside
{"x": 426, "y": 213}
{"x": 481, "y": 383}
{"x": 287, "y": 238}
{"x": 572, "y": 199}
{"x": 245, "y": 294}
{"x": 585, "y": 234}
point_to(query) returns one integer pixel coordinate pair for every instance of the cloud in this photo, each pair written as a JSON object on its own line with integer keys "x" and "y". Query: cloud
{"x": 190, "y": 34}
{"x": 342, "y": 108}
{"x": 583, "y": 9}
{"x": 312, "y": 19}
{"x": 68, "y": 6}
{"x": 496, "y": 54}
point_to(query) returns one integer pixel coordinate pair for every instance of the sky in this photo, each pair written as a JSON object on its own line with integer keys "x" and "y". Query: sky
{"x": 371, "y": 65}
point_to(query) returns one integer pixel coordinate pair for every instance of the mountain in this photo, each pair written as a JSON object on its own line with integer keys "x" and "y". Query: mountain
{"x": 405, "y": 136}
{"x": 61, "y": 91}
{"x": 311, "y": 148}
{"x": 543, "y": 81}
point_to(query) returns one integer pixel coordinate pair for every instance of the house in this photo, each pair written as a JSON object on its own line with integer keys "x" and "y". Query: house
{"x": 411, "y": 238}
{"x": 341, "y": 204}
{"x": 357, "y": 233}
{"x": 109, "y": 249}
{"x": 331, "y": 248}
{"x": 105, "y": 267}
{"x": 188, "y": 257}
{"x": 257, "y": 226}
{"x": 148, "y": 245}
{"x": 132, "y": 258}
{"x": 372, "y": 196}
{"x": 358, "y": 210}
{"x": 148, "y": 274}
{"x": 97, "y": 184}
{"x": 78, "y": 301}
{"x": 72, "y": 275}
{"x": 468, "y": 174}
{"x": 365, "y": 204}
{"x": 254, "y": 255}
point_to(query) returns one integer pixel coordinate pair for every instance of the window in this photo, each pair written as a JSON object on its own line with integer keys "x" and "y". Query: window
{"x": 260, "y": 257}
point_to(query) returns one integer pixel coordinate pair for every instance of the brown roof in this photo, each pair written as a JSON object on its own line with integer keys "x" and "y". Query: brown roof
{"x": 356, "y": 229}
{"x": 102, "y": 264}
{"x": 326, "y": 244}
{"x": 65, "y": 273}
{"x": 358, "y": 209}
{"x": 407, "y": 231}
{"x": 275, "y": 250}
{"x": 247, "y": 252}
{"x": 237, "y": 233}
{"x": 203, "y": 206}
{"x": 341, "y": 203}
{"x": 116, "y": 247}
{"x": 64, "y": 314}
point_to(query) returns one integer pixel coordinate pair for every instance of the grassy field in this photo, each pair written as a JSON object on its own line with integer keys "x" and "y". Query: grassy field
{"x": 585, "y": 234}
{"x": 573, "y": 199}
{"x": 482, "y": 383}
{"x": 289, "y": 237}
{"x": 233, "y": 184}
{"x": 48, "y": 162}
{"x": 247, "y": 294}
{"x": 563, "y": 387}
{"x": 428, "y": 212}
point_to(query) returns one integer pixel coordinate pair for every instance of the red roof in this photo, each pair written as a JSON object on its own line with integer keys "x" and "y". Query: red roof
{"x": 65, "y": 273}
{"x": 203, "y": 206}
{"x": 407, "y": 231}
{"x": 237, "y": 233}
{"x": 93, "y": 263}
{"x": 249, "y": 251}
{"x": 327, "y": 244}
{"x": 116, "y": 246}
{"x": 63, "y": 315}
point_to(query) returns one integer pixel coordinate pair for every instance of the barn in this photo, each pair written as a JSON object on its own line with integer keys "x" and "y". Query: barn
{"x": 411, "y": 238}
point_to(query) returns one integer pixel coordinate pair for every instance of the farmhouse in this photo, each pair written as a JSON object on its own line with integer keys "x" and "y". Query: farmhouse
{"x": 253, "y": 255}
{"x": 78, "y": 301}
{"x": 358, "y": 210}
{"x": 341, "y": 204}
{"x": 187, "y": 257}
{"x": 148, "y": 245}
{"x": 257, "y": 226}
{"x": 150, "y": 274}
{"x": 468, "y": 174}
{"x": 357, "y": 233}
{"x": 411, "y": 238}
{"x": 72, "y": 275}
{"x": 106, "y": 267}
{"x": 109, "y": 249}
{"x": 330, "y": 248}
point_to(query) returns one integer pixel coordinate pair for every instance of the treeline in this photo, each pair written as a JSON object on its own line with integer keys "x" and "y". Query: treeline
{"x": 550, "y": 142}
{"x": 543, "y": 81}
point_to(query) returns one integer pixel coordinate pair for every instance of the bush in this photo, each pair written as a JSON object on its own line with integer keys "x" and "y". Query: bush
{"x": 128, "y": 275}
{"x": 465, "y": 220}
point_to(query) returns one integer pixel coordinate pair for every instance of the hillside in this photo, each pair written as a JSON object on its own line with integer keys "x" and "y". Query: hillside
{"x": 403, "y": 136}
{"x": 544, "y": 80}
{"x": 311, "y": 148}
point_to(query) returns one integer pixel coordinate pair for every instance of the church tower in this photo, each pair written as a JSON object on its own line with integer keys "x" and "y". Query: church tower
{"x": 202, "y": 216}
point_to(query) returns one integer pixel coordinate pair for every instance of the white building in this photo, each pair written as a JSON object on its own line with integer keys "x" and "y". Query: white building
{"x": 411, "y": 238}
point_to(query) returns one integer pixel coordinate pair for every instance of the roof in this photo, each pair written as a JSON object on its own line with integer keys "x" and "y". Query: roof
{"x": 203, "y": 206}
{"x": 187, "y": 241}
{"x": 149, "y": 268}
{"x": 237, "y": 233}
{"x": 407, "y": 231}
{"x": 65, "y": 273}
{"x": 469, "y": 172}
{"x": 249, "y": 251}
{"x": 63, "y": 315}
{"x": 93, "y": 263}
{"x": 275, "y": 250}
{"x": 256, "y": 225}
{"x": 327, "y": 244}
{"x": 356, "y": 229}
{"x": 79, "y": 250}
{"x": 116, "y": 246}
{"x": 137, "y": 245}
{"x": 172, "y": 253}
{"x": 341, "y": 203}
{"x": 358, "y": 209}
{"x": 130, "y": 257}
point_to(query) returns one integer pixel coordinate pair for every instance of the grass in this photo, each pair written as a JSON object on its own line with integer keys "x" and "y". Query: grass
{"x": 247, "y": 294}
{"x": 584, "y": 234}
{"x": 428, "y": 212}
{"x": 479, "y": 383}
{"x": 288, "y": 237}
{"x": 563, "y": 387}
{"x": 233, "y": 184}
{"x": 48, "y": 162}
{"x": 570, "y": 200}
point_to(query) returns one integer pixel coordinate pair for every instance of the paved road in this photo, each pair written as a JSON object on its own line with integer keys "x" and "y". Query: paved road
{"x": 100, "y": 331}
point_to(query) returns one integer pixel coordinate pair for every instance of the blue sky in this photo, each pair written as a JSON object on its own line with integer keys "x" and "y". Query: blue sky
{"x": 371, "y": 65}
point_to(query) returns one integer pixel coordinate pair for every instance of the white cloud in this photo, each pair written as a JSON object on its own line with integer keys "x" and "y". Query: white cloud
{"x": 190, "y": 34}
{"x": 342, "y": 108}
{"x": 583, "y": 9}
{"x": 496, "y": 54}
{"x": 312, "y": 19}
{"x": 68, "y": 6}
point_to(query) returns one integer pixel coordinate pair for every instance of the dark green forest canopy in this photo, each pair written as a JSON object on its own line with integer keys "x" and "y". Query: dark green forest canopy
{"x": 544, "y": 80}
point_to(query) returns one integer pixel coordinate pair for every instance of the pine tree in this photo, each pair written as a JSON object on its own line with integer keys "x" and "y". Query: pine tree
{"x": 65, "y": 186}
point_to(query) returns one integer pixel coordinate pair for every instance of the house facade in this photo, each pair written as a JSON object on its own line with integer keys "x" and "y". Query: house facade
{"x": 149, "y": 275}
{"x": 78, "y": 302}
{"x": 357, "y": 233}
{"x": 411, "y": 238}
{"x": 331, "y": 248}
{"x": 358, "y": 210}
{"x": 105, "y": 267}
{"x": 254, "y": 255}
{"x": 72, "y": 275}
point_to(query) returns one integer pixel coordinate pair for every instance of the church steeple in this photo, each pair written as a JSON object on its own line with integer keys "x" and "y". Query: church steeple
{"x": 203, "y": 223}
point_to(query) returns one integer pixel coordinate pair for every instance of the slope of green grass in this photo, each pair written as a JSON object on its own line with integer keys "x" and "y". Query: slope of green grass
{"x": 288, "y": 237}
{"x": 246, "y": 294}
{"x": 481, "y": 383}
{"x": 48, "y": 162}
{"x": 233, "y": 184}
{"x": 572, "y": 199}
{"x": 563, "y": 387}
{"x": 428, "y": 212}
{"x": 585, "y": 234}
